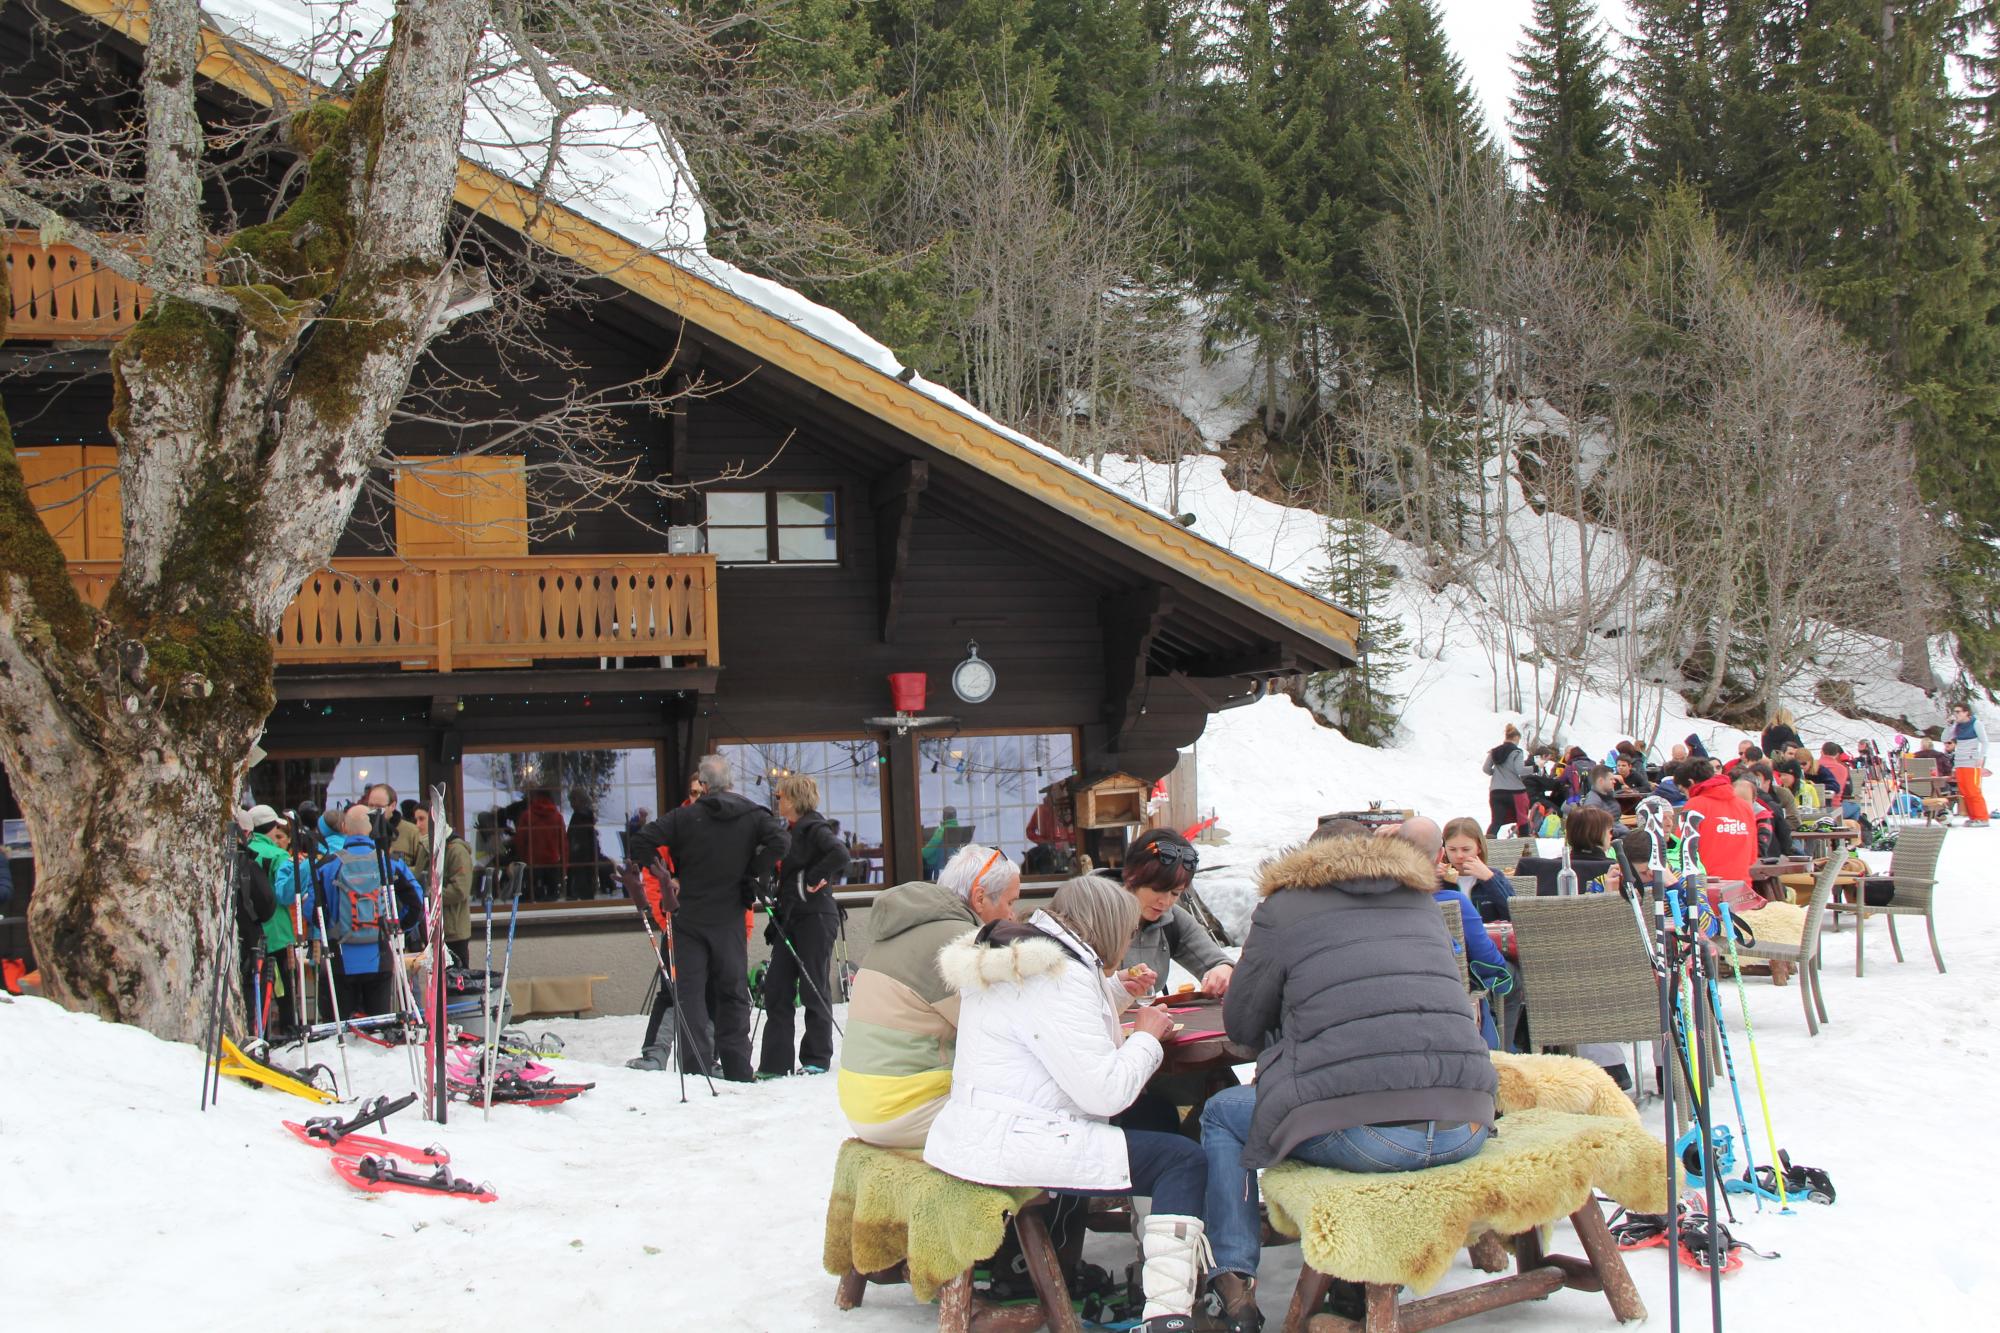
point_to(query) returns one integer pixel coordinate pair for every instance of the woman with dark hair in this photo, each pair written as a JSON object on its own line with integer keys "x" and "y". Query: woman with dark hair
{"x": 1587, "y": 831}
{"x": 1507, "y": 794}
{"x": 1159, "y": 866}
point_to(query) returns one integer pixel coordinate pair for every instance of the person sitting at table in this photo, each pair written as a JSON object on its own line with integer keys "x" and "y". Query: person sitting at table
{"x": 1587, "y": 833}
{"x": 1487, "y": 889}
{"x": 1603, "y": 793}
{"x": 1370, "y": 1059}
{"x": 1728, "y": 828}
{"x": 1456, "y": 874}
{"x": 1765, "y": 789}
{"x": 1041, "y": 1069}
{"x": 1631, "y": 774}
{"x": 1159, "y": 866}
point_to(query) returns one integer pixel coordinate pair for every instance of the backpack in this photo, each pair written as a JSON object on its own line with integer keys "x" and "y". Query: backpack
{"x": 256, "y": 900}
{"x": 356, "y": 890}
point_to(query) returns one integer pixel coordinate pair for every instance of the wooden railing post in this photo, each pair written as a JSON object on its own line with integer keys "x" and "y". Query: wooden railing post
{"x": 442, "y": 581}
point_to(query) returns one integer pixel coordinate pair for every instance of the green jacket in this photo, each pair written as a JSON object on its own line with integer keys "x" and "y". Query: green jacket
{"x": 278, "y": 930}
{"x": 457, "y": 889}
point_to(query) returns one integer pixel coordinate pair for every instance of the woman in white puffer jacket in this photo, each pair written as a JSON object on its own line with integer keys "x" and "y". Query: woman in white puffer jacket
{"x": 1040, "y": 1070}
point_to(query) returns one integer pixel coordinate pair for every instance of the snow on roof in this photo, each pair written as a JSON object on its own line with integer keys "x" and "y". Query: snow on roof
{"x": 612, "y": 166}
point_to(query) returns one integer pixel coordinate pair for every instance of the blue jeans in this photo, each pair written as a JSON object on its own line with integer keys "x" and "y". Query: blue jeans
{"x": 1234, "y": 1229}
{"x": 1167, "y": 1168}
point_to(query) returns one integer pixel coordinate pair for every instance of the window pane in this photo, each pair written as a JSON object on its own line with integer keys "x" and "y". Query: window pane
{"x": 991, "y": 786}
{"x": 806, "y": 508}
{"x": 560, "y": 814}
{"x": 737, "y": 507}
{"x": 745, "y": 545}
{"x": 850, "y": 789}
{"x": 332, "y": 780}
{"x": 808, "y": 544}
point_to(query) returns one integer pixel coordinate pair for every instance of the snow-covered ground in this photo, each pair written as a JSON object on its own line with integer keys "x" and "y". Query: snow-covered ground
{"x": 121, "y": 1204}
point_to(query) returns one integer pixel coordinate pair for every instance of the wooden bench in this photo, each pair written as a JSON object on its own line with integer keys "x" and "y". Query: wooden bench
{"x": 882, "y": 1196}
{"x": 1391, "y": 1231}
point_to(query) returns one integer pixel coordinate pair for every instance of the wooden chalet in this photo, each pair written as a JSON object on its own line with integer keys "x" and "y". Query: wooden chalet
{"x": 876, "y": 528}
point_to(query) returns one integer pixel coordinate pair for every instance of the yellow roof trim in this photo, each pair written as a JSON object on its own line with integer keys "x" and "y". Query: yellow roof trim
{"x": 773, "y": 340}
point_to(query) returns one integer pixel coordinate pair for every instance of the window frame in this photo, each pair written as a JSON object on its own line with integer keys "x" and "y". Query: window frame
{"x": 1075, "y": 735}
{"x": 773, "y": 528}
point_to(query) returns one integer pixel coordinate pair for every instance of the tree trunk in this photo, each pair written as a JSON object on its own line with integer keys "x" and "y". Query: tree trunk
{"x": 246, "y": 423}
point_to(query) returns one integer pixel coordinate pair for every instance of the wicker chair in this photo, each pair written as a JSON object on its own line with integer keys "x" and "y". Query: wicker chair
{"x": 1454, "y": 926}
{"x": 1935, "y": 790}
{"x": 1805, "y": 954}
{"x": 1913, "y": 871}
{"x": 1588, "y": 974}
{"x": 1504, "y": 854}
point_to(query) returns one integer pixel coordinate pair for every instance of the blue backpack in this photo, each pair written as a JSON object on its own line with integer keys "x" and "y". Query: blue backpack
{"x": 357, "y": 903}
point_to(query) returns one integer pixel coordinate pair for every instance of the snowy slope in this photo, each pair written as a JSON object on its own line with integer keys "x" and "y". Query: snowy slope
{"x": 125, "y": 1206}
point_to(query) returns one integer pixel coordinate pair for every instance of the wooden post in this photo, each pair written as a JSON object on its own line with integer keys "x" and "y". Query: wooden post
{"x": 853, "y": 1286}
{"x": 1045, "y": 1272}
{"x": 1489, "y": 1253}
{"x": 1381, "y": 1309}
{"x": 441, "y": 608}
{"x": 955, "y": 1304}
{"x": 1619, "y": 1288}
{"x": 1306, "y": 1296}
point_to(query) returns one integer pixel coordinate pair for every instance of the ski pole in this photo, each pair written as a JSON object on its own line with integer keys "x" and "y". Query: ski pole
{"x": 1756, "y": 1066}
{"x": 492, "y": 1052}
{"x": 404, "y": 995}
{"x": 771, "y": 910}
{"x": 333, "y": 993}
{"x": 1669, "y": 1046}
{"x": 1709, "y": 1172}
{"x": 662, "y": 943}
{"x": 1729, "y": 1065}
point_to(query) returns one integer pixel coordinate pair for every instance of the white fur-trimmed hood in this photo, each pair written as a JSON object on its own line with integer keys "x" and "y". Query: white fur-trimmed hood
{"x": 1012, "y": 954}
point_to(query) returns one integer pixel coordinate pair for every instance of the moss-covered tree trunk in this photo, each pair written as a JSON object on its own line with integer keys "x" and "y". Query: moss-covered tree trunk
{"x": 248, "y": 407}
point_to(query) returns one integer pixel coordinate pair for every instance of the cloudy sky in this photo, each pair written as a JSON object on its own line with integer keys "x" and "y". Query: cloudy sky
{"x": 1486, "y": 33}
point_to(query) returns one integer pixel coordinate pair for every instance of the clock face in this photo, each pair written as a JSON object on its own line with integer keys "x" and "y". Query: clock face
{"x": 973, "y": 681}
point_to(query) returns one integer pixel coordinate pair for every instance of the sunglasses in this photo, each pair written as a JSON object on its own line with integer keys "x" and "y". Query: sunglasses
{"x": 1177, "y": 854}
{"x": 984, "y": 868}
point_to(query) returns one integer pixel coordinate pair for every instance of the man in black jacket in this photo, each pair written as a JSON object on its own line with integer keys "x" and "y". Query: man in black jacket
{"x": 723, "y": 849}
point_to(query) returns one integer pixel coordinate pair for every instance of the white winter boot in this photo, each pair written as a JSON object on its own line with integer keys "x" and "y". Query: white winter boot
{"x": 1175, "y": 1249}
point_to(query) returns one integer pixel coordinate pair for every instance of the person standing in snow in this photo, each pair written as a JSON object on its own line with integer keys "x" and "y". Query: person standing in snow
{"x": 266, "y": 829}
{"x": 804, "y": 921}
{"x": 1042, "y": 1066}
{"x": 724, "y": 851}
{"x": 1965, "y": 741}
{"x": 362, "y": 911}
{"x": 1158, "y": 869}
{"x": 1507, "y": 794}
{"x": 902, "y": 1023}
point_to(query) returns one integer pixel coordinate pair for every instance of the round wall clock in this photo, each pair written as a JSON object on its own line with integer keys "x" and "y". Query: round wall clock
{"x": 974, "y": 679}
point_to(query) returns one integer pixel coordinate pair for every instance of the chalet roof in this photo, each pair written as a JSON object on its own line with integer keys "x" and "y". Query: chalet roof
{"x": 627, "y": 210}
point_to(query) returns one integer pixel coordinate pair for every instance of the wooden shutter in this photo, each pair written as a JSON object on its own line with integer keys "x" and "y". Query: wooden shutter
{"x": 57, "y": 476}
{"x": 462, "y": 506}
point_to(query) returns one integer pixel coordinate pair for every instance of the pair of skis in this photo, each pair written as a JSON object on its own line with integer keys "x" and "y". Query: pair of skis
{"x": 377, "y": 1165}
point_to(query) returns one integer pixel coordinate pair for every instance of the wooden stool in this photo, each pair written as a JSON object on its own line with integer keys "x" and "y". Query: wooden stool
{"x": 1401, "y": 1229}
{"x": 1537, "y": 1276}
{"x": 960, "y": 1311}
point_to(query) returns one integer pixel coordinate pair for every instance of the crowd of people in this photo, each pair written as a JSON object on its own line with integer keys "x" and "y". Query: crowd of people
{"x": 347, "y": 885}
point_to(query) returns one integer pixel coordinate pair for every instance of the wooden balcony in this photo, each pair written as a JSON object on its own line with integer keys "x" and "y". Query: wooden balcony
{"x": 447, "y": 614}
{"x": 60, "y": 293}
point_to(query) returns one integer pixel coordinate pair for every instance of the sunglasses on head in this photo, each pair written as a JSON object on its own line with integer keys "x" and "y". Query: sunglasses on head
{"x": 1173, "y": 853}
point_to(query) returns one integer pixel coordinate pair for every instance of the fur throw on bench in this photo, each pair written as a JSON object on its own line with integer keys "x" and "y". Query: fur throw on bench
{"x": 888, "y": 1207}
{"x": 1405, "y": 1227}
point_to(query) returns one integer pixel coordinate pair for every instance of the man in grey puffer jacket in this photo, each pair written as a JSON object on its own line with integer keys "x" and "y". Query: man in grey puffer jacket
{"x": 1370, "y": 1057}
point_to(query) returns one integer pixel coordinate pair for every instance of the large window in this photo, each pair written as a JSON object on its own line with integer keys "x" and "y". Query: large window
{"x": 774, "y": 527}
{"x": 987, "y": 789}
{"x": 560, "y": 814}
{"x": 850, "y": 779}
{"x": 282, "y": 781}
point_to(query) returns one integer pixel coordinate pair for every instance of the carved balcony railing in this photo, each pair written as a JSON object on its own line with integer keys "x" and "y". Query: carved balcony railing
{"x": 59, "y": 293}
{"x": 446, "y": 614}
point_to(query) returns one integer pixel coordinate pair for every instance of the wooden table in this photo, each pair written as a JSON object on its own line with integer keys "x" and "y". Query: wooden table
{"x": 1201, "y": 1046}
{"x": 1831, "y": 837}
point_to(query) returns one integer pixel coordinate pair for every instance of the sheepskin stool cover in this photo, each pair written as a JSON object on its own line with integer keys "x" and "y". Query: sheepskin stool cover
{"x": 1405, "y": 1227}
{"x": 889, "y": 1207}
{"x": 1558, "y": 1083}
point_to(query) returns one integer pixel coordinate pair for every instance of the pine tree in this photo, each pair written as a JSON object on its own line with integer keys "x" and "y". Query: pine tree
{"x": 1362, "y": 699}
{"x": 1430, "y": 80}
{"x": 1674, "y": 75}
{"x": 1565, "y": 119}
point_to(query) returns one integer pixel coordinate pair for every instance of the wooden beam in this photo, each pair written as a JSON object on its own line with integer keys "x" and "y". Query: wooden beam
{"x": 430, "y": 684}
{"x": 894, "y": 496}
{"x": 1264, "y": 661}
{"x": 1131, "y": 622}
